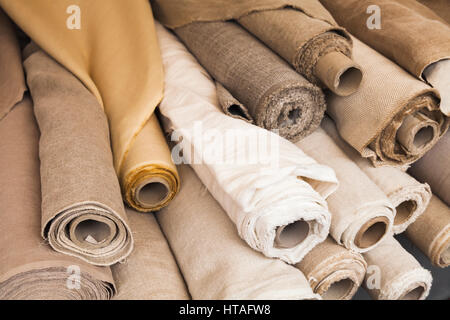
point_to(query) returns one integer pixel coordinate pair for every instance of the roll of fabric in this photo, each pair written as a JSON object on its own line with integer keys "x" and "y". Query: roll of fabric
{"x": 320, "y": 51}
{"x": 431, "y": 233}
{"x": 361, "y": 213}
{"x": 333, "y": 271}
{"x": 409, "y": 196}
{"x": 440, "y": 7}
{"x": 394, "y": 274}
{"x": 12, "y": 80}
{"x": 82, "y": 208}
{"x": 270, "y": 189}
{"x": 438, "y": 75}
{"x": 231, "y": 106}
{"x": 30, "y": 269}
{"x": 215, "y": 263}
{"x": 393, "y": 119}
{"x": 150, "y": 272}
{"x": 277, "y": 97}
{"x": 433, "y": 168}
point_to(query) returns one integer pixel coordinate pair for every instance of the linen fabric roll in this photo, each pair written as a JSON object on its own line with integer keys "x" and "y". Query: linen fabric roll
{"x": 333, "y": 271}
{"x": 431, "y": 233}
{"x": 393, "y": 119}
{"x": 440, "y": 7}
{"x": 409, "y": 196}
{"x": 231, "y": 106}
{"x": 30, "y": 269}
{"x": 272, "y": 191}
{"x": 434, "y": 169}
{"x": 394, "y": 274}
{"x": 215, "y": 263}
{"x": 12, "y": 80}
{"x": 151, "y": 271}
{"x": 82, "y": 208}
{"x": 361, "y": 213}
{"x": 277, "y": 97}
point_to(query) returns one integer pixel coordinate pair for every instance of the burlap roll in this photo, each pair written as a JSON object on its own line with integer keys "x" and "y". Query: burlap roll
{"x": 320, "y": 51}
{"x": 440, "y": 7}
{"x": 431, "y": 233}
{"x": 30, "y": 269}
{"x": 12, "y": 81}
{"x": 393, "y": 119}
{"x": 361, "y": 213}
{"x": 409, "y": 196}
{"x": 82, "y": 209}
{"x": 216, "y": 264}
{"x": 271, "y": 190}
{"x": 231, "y": 106}
{"x": 277, "y": 97}
{"x": 394, "y": 274}
{"x": 333, "y": 271}
{"x": 434, "y": 169}
{"x": 150, "y": 272}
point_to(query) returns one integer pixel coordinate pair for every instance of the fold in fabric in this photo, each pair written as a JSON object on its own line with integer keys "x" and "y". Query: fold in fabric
{"x": 333, "y": 271}
{"x": 440, "y": 7}
{"x": 409, "y": 196}
{"x": 231, "y": 106}
{"x": 82, "y": 209}
{"x": 434, "y": 169}
{"x": 12, "y": 80}
{"x": 394, "y": 274}
{"x": 431, "y": 233}
{"x": 275, "y": 194}
{"x": 393, "y": 119}
{"x": 438, "y": 76}
{"x": 215, "y": 263}
{"x": 276, "y": 96}
{"x": 30, "y": 269}
{"x": 151, "y": 271}
{"x": 361, "y": 213}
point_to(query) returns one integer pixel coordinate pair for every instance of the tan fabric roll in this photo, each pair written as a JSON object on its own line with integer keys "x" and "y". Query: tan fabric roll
{"x": 394, "y": 118}
{"x": 333, "y": 271}
{"x": 431, "y": 233}
{"x": 30, "y": 269}
{"x": 434, "y": 169}
{"x": 215, "y": 262}
{"x": 409, "y": 196}
{"x": 361, "y": 214}
{"x": 12, "y": 81}
{"x": 440, "y": 7}
{"x": 394, "y": 274}
{"x": 82, "y": 209}
{"x": 150, "y": 272}
{"x": 231, "y": 106}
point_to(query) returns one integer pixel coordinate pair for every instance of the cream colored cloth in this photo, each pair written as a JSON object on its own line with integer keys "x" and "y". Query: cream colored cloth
{"x": 277, "y": 196}
{"x": 215, "y": 262}
{"x": 438, "y": 75}
{"x": 361, "y": 214}
{"x": 150, "y": 272}
{"x": 29, "y": 268}
{"x": 394, "y": 274}
{"x": 409, "y": 196}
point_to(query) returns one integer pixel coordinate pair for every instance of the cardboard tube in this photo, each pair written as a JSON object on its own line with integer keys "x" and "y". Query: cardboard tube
{"x": 372, "y": 232}
{"x": 416, "y": 132}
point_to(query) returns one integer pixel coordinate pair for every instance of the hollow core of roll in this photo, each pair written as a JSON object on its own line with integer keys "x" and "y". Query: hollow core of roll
{"x": 404, "y": 211}
{"x": 414, "y": 294}
{"x": 153, "y": 193}
{"x": 423, "y": 136}
{"x": 292, "y": 234}
{"x": 372, "y": 232}
{"x": 92, "y": 231}
{"x": 338, "y": 289}
{"x": 236, "y": 110}
{"x": 349, "y": 81}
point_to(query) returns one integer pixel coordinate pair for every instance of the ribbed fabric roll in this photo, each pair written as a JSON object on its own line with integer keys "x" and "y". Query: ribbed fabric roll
{"x": 393, "y": 119}
{"x": 215, "y": 263}
{"x": 12, "y": 81}
{"x": 333, "y": 271}
{"x": 440, "y": 7}
{"x": 273, "y": 192}
{"x": 394, "y": 274}
{"x": 150, "y": 272}
{"x": 431, "y": 233}
{"x": 30, "y": 269}
{"x": 361, "y": 213}
{"x": 434, "y": 169}
{"x": 320, "y": 51}
{"x": 82, "y": 209}
{"x": 409, "y": 196}
{"x": 276, "y": 96}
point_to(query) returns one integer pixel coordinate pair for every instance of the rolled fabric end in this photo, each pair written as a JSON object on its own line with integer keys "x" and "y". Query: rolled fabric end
{"x": 413, "y": 285}
{"x": 438, "y": 75}
{"x": 231, "y": 106}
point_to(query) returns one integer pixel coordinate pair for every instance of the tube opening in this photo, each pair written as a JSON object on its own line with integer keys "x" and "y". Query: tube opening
{"x": 153, "y": 193}
{"x": 92, "y": 232}
{"x": 338, "y": 290}
{"x": 349, "y": 81}
{"x": 236, "y": 110}
{"x": 423, "y": 137}
{"x": 292, "y": 235}
{"x": 370, "y": 235}
{"x": 404, "y": 211}
{"x": 291, "y": 118}
{"x": 414, "y": 294}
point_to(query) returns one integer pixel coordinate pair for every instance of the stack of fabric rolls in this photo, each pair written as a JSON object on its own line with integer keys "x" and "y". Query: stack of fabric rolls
{"x": 269, "y": 149}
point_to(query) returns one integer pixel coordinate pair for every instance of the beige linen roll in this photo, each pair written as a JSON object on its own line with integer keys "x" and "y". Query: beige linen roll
{"x": 215, "y": 262}
{"x": 82, "y": 208}
{"x": 30, "y": 269}
{"x": 394, "y": 274}
{"x": 361, "y": 214}
{"x": 150, "y": 272}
